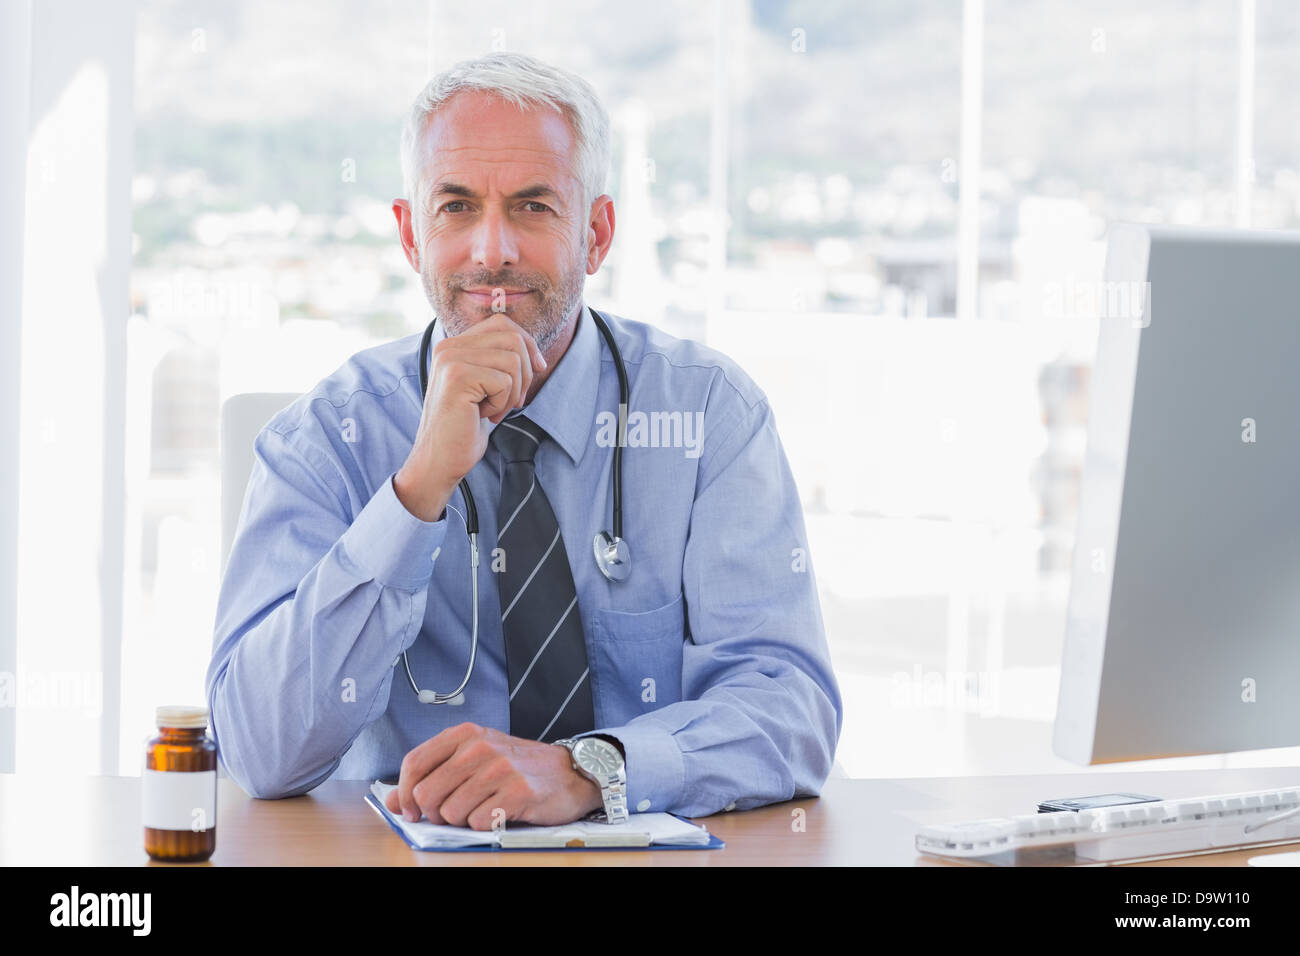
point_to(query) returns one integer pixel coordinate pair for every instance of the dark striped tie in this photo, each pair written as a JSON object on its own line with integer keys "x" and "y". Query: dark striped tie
{"x": 546, "y": 655}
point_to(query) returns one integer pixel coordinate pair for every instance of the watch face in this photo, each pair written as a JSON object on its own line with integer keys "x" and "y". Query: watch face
{"x": 597, "y": 756}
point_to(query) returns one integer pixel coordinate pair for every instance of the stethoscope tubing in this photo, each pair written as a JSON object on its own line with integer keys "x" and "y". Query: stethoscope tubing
{"x": 471, "y": 509}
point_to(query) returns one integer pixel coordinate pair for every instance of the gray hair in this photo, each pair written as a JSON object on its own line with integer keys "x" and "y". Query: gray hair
{"x": 527, "y": 83}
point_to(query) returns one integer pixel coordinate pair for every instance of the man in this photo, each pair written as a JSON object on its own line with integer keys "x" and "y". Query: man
{"x": 705, "y": 673}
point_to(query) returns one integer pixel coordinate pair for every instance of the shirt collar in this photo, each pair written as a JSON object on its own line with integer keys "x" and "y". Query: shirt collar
{"x": 566, "y": 404}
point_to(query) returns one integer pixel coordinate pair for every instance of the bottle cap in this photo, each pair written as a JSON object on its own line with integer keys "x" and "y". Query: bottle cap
{"x": 181, "y": 715}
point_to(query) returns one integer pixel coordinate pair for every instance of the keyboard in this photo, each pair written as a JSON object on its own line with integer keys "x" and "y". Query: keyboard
{"x": 1142, "y": 831}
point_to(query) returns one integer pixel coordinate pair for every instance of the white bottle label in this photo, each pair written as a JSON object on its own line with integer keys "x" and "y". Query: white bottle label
{"x": 171, "y": 800}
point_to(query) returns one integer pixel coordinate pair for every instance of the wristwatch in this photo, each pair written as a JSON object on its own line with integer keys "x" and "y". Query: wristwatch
{"x": 599, "y": 758}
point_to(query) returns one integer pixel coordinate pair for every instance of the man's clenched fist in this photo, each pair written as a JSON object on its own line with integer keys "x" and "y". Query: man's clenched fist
{"x": 476, "y": 379}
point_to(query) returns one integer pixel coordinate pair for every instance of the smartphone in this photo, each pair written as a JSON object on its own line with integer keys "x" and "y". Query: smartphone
{"x": 1095, "y": 801}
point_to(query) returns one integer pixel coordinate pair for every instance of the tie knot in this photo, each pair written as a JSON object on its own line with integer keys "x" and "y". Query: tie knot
{"x": 518, "y": 438}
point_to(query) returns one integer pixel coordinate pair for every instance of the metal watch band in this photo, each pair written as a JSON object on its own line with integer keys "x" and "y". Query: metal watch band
{"x": 614, "y": 793}
{"x": 613, "y": 788}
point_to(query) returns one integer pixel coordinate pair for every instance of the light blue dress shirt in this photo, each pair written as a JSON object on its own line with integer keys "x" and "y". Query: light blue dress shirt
{"x": 709, "y": 663}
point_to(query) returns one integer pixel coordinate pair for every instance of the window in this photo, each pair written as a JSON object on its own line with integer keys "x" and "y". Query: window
{"x": 879, "y": 210}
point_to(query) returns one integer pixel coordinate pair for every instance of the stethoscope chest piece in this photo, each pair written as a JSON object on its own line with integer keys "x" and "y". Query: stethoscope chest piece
{"x": 612, "y": 556}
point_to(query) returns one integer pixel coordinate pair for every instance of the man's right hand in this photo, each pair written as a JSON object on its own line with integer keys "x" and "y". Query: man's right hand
{"x": 475, "y": 380}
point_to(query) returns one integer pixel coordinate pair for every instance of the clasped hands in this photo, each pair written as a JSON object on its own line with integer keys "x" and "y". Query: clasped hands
{"x": 469, "y": 775}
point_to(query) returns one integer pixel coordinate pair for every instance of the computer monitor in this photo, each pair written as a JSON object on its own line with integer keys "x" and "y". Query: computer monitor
{"x": 1183, "y": 625}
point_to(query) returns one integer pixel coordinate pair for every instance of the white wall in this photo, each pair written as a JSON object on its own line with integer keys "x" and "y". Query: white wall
{"x": 76, "y": 236}
{"x": 15, "y": 95}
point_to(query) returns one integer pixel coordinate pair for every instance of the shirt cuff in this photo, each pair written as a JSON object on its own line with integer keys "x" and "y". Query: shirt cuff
{"x": 392, "y": 545}
{"x": 654, "y": 766}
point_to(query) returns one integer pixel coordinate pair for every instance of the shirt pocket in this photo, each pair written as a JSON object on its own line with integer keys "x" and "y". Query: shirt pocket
{"x": 636, "y": 664}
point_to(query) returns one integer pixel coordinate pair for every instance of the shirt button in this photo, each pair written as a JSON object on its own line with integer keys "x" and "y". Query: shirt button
{"x": 730, "y": 806}
{"x": 643, "y": 806}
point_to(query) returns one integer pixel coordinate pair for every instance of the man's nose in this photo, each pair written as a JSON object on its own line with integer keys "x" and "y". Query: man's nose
{"x": 494, "y": 241}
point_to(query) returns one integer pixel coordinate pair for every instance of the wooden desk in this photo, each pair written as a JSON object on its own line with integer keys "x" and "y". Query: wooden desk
{"x": 94, "y": 821}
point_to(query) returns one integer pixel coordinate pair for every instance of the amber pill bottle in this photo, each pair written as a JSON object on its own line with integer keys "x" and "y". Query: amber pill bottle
{"x": 179, "y": 788}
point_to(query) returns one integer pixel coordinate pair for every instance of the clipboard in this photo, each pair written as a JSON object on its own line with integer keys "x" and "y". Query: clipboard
{"x": 713, "y": 844}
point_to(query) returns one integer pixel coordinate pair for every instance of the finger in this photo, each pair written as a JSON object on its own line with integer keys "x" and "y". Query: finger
{"x": 394, "y": 803}
{"x": 535, "y": 354}
{"x": 503, "y": 360}
{"x": 431, "y": 793}
{"x": 477, "y": 791}
{"x": 496, "y": 810}
{"x": 422, "y": 759}
{"x": 508, "y": 336}
{"x": 500, "y": 321}
{"x": 487, "y": 388}
{"x": 495, "y": 400}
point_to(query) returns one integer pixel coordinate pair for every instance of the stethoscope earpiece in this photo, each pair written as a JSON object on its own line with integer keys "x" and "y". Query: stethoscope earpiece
{"x": 430, "y": 697}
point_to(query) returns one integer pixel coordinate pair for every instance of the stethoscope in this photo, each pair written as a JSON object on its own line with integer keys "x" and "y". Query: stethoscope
{"x": 612, "y": 554}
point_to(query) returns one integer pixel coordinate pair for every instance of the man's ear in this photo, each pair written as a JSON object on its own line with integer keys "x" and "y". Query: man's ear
{"x": 600, "y": 232}
{"x": 406, "y": 231}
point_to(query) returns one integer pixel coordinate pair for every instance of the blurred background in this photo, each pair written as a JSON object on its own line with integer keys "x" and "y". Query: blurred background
{"x": 891, "y": 213}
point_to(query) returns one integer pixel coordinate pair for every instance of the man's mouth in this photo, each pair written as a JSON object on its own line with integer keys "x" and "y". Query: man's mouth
{"x": 489, "y": 296}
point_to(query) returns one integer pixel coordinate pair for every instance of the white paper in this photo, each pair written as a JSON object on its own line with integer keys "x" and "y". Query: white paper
{"x": 659, "y": 828}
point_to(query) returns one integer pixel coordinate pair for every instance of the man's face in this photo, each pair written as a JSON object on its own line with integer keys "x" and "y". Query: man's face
{"x": 480, "y": 222}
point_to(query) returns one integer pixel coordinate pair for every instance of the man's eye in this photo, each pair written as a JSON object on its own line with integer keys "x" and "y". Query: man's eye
{"x": 541, "y": 207}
